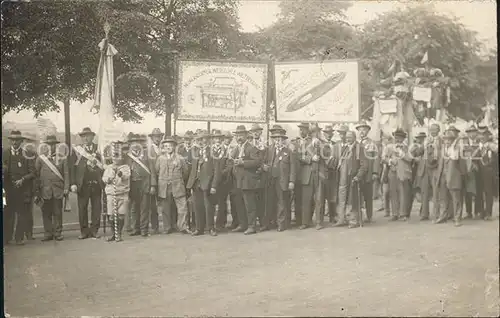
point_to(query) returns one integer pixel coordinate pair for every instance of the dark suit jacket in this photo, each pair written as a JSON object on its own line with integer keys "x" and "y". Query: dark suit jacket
{"x": 372, "y": 152}
{"x": 453, "y": 170}
{"x": 245, "y": 176}
{"x": 357, "y": 163}
{"x": 285, "y": 161}
{"x": 149, "y": 180}
{"x": 79, "y": 167}
{"x": 48, "y": 184}
{"x": 308, "y": 167}
{"x": 26, "y": 171}
{"x": 207, "y": 171}
{"x": 223, "y": 168}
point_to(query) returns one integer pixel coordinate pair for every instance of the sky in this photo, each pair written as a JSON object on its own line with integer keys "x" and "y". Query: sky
{"x": 477, "y": 15}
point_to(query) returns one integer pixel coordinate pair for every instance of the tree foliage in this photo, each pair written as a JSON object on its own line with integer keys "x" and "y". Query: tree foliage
{"x": 48, "y": 53}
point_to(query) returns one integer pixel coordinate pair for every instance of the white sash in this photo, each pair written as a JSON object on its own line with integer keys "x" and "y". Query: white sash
{"x": 88, "y": 156}
{"x": 51, "y": 167}
{"x": 139, "y": 162}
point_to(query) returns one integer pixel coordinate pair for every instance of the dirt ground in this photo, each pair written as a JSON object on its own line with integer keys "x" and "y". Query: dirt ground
{"x": 384, "y": 269}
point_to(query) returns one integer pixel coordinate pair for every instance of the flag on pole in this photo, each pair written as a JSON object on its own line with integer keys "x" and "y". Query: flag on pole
{"x": 104, "y": 97}
{"x": 425, "y": 58}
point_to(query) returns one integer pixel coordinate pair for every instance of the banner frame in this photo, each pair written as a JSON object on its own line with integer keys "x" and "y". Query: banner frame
{"x": 357, "y": 60}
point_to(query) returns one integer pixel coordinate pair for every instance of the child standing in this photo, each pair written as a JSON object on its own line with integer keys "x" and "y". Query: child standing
{"x": 117, "y": 179}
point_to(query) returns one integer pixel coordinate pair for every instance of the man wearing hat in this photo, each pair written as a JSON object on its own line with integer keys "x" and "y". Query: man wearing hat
{"x": 313, "y": 178}
{"x": 52, "y": 186}
{"x": 450, "y": 172}
{"x": 422, "y": 180}
{"x": 372, "y": 175}
{"x": 142, "y": 183}
{"x": 488, "y": 172}
{"x": 153, "y": 152}
{"x": 18, "y": 174}
{"x": 172, "y": 171}
{"x": 280, "y": 166}
{"x": 203, "y": 185}
{"x": 259, "y": 142}
{"x": 474, "y": 149}
{"x": 30, "y": 153}
{"x": 222, "y": 182}
{"x": 86, "y": 180}
{"x": 331, "y": 186}
{"x": 235, "y": 198}
{"x": 399, "y": 162}
{"x": 246, "y": 161}
{"x": 301, "y": 143}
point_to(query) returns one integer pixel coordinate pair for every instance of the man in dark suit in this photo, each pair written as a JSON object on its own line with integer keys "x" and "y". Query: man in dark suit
{"x": 472, "y": 134}
{"x": 186, "y": 149}
{"x": 331, "y": 181}
{"x": 86, "y": 179}
{"x": 153, "y": 152}
{"x": 223, "y": 168}
{"x": 489, "y": 172}
{"x": 300, "y": 152}
{"x": 280, "y": 166}
{"x": 352, "y": 165}
{"x": 203, "y": 185}
{"x": 142, "y": 183}
{"x": 260, "y": 143}
{"x": 421, "y": 183}
{"x": 247, "y": 160}
{"x": 18, "y": 173}
{"x": 52, "y": 186}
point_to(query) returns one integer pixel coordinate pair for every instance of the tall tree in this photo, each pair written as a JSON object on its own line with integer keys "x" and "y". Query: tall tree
{"x": 48, "y": 53}
{"x": 406, "y": 35}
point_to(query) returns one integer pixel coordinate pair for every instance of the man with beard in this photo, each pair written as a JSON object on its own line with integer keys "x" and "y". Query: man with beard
{"x": 331, "y": 182}
{"x": 203, "y": 185}
{"x": 86, "y": 180}
{"x": 372, "y": 174}
{"x": 18, "y": 172}
{"x": 280, "y": 165}
{"x": 301, "y": 143}
{"x": 153, "y": 152}
{"x": 142, "y": 184}
{"x": 246, "y": 160}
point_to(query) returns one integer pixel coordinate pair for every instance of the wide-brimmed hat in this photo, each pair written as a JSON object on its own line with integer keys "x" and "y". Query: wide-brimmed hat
{"x": 421, "y": 135}
{"x": 454, "y": 129}
{"x": 399, "y": 133}
{"x": 328, "y": 129}
{"x": 240, "y": 129}
{"x": 51, "y": 140}
{"x": 303, "y": 125}
{"x": 256, "y": 127}
{"x": 315, "y": 127}
{"x": 16, "y": 135}
{"x": 228, "y": 134}
{"x": 86, "y": 131}
{"x": 363, "y": 124}
{"x": 156, "y": 132}
{"x": 217, "y": 133}
{"x": 279, "y": 133}
{"x": 137, "y": 138}
{"x": 471, "y": 128}
{"x": 449, "y": 134}
{"x": 276, "y": 128}
{"x": 169, "y": 139}
{"x": 188, "y": 135}
{"x": 342, "y": 129}
{"x": 203, "y": 134}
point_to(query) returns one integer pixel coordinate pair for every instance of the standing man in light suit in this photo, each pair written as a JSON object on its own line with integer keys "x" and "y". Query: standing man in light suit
{"x": 247, "y": 161}
{"x": 86, "y": 179}
{"x": 154, "y": 152}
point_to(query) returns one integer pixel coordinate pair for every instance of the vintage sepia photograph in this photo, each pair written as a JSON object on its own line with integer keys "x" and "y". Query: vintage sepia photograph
{"x": 250, "y": 158}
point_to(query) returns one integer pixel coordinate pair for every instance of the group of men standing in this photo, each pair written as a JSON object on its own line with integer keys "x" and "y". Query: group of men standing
{"x": 189, "y": 181}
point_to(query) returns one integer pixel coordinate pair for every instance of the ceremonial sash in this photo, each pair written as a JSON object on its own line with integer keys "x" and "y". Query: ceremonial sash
{"x": 139, "y": 162}
{"x": 51, "y": 166}
{"x": 88, "y": 156}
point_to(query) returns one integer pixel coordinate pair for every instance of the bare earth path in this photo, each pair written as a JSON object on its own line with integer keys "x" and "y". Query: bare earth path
{"x": 383, "y": 269}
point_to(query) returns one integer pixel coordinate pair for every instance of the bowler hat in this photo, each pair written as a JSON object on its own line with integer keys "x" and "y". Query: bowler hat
{"x": 189, "y": 135}
{"x": 255, "y": 127}
{"x": 328, "y": 129}
{"x": 421, "y": 135}
{"x": 86, "y": 131}
{"x": 240, "y": 129}
{"x": 471, "y": 128}
{"x": 203, "y": 134}
{"x": 449, "y": 134}
{"x": 303, "y": 125}
{"x": 362, "y": 124}
{"x": 453, "y": 128}
{"x": 399, "y": 133}
{"x": 342, "y": 129}
{"x": 217, "y": 133}
{"x": 169, "y": 139}
{"x": 51, "y": 140}
{"x": 276, "y": 128}
{"x": 156, "y": 132}
{"x": 279, "y": 133}
{"x": 16, "y": 135}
